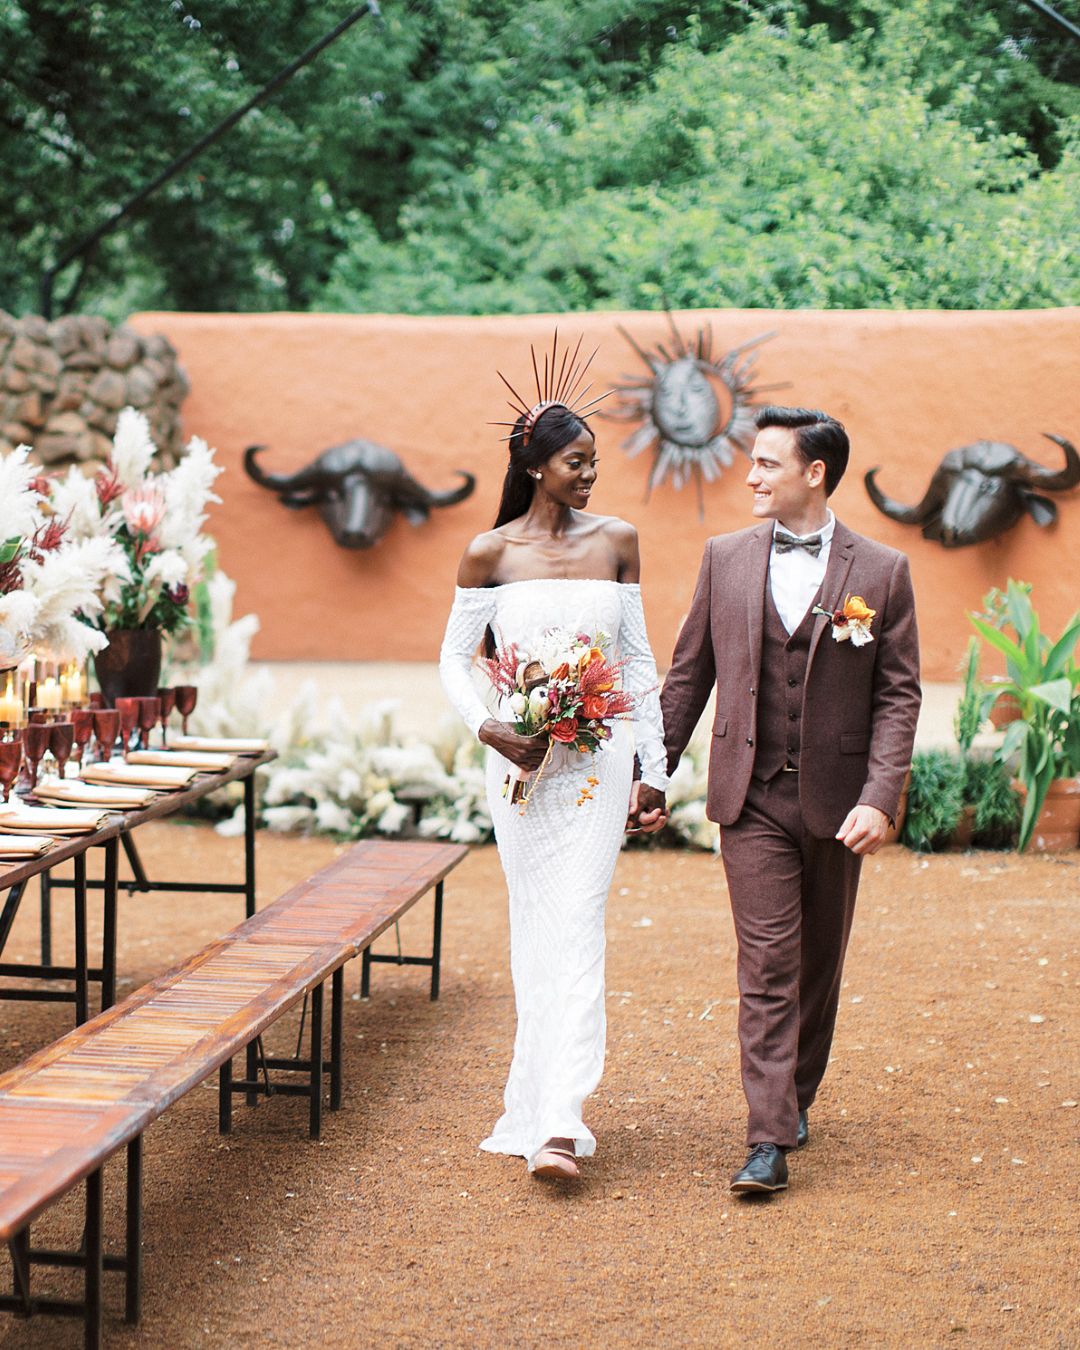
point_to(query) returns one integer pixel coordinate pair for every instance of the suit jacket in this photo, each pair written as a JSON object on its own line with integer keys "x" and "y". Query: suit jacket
{"x": 860, "y": 704}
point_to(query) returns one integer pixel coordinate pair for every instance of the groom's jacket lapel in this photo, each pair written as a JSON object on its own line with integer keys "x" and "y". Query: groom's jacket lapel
{"x": 757, "y": 573}
{"x": 832, "y": 587}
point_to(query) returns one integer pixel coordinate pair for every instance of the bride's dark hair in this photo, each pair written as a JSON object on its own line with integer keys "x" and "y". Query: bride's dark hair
{"x": 554, "y": 429}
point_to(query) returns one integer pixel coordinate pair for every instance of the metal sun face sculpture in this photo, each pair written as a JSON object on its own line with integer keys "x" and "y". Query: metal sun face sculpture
{"x": 682, "y": 418}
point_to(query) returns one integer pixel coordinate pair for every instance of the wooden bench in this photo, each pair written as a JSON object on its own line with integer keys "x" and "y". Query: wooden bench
{"x": 75, "y": 1103}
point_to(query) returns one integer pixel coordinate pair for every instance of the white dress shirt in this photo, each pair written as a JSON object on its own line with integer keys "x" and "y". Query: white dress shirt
{"x": 794, "y": 576}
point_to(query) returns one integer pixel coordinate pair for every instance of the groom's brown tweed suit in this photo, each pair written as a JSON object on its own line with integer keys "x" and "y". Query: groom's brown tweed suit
{"x": 843, "y": 718}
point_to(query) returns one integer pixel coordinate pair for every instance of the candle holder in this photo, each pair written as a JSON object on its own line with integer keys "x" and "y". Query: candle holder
{"x": 73, "y": 685}
{"x": 10, "y": 764}
{"x": 49, "y": 691}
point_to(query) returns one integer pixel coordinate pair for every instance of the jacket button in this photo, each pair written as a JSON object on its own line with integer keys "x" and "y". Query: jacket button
{"x": 791, "y": 717}
{"x": 793, "y": 683}
{"x": 749, "y": 740}
{"x": 753, "y": 691}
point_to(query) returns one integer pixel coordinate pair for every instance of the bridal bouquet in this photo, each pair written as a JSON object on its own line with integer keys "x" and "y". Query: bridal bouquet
{"x": 153, "y": 519}
{"x": 566, "y": 689}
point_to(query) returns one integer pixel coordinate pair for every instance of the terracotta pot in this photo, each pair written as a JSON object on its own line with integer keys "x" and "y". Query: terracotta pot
{"x": 1006, "y": 709}
{"x": 1057, "y": 826}
{"x": 130, "y": 666}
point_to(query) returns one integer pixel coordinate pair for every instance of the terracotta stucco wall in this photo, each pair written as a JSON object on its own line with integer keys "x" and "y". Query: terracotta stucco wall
{"x": 909, "y": 386}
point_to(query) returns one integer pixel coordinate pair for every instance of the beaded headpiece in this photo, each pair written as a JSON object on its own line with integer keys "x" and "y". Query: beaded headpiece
{"x": 558, "y": 389}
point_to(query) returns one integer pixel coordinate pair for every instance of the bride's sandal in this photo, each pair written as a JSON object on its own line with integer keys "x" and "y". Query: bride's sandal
{"x": 556, "y": 1160}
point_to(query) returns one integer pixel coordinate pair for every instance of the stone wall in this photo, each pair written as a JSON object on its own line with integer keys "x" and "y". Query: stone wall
{"x": 63, "y": 383}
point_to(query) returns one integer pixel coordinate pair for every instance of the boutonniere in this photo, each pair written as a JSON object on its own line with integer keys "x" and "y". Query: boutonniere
{"x": 852, "y": 620}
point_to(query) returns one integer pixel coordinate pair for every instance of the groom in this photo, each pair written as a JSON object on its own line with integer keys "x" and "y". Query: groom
{"x": 811, "y": 740}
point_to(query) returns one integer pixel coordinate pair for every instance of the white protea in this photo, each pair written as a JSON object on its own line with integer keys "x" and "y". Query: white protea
{"x": 20, "y": 505}
{"x": 133, "y": 448}
{"x": 75, "y": 501}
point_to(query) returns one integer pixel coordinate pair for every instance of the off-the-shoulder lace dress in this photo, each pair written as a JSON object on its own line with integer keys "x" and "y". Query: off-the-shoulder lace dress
{"x": 558, "y": 857}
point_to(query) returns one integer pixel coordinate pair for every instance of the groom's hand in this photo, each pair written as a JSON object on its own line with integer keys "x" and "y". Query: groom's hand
{"x": 864, "y": 829}
{"x": 648, "y": 808}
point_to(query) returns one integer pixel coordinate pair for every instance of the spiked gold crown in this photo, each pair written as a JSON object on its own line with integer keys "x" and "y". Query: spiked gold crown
{"x": 560, "y": 388}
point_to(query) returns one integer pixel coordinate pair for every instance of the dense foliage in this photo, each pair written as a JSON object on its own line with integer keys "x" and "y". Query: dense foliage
{"x": 467, "y": 156}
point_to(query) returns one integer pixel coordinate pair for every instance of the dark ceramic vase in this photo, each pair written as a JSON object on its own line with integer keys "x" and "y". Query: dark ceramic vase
{"x": 130, "y": 666}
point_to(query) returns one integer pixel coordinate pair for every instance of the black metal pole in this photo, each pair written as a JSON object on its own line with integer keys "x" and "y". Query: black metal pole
{"x": 182, "y": 161}
{"x": 1054, "y": 17}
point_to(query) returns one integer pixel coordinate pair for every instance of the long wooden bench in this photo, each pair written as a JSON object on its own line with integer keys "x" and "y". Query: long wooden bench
{"x": 77, "y": 1102}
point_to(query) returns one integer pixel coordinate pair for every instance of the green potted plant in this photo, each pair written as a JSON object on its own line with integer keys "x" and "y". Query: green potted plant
{"x": 1043, "y": 678}
{"x": 1003, "y": 706}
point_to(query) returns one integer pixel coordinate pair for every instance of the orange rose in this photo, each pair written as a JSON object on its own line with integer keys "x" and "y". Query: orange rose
{"x": 594, "y": 706}
{"x": 564, "y": 731}
{"x": 560, "y": 672}
{"x": 856, "y": 610}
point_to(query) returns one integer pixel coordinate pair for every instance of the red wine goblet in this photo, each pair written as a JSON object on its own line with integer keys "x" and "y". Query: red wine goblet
{"x": 35, "y": 738}
{"x": 61, "y": 742}
{"x": 82, "y": 720}
{"x": 149, "y": 712}
{"x": 106, "y": 729}
{"x": 10, "y": 763}
{"x": 168, "y": 703}
{"x": 187, "y": 695}
{"x": 128, "y": 708}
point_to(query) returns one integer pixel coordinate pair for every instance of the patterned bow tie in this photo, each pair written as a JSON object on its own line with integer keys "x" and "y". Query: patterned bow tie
{"x": 784, "y": 542}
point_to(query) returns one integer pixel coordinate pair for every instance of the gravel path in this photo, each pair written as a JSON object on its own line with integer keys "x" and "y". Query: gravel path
{"x": 935, "y": 1205}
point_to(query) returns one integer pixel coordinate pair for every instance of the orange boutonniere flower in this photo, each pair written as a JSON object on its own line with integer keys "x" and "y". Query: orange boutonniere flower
{"x": 851, "y": 621}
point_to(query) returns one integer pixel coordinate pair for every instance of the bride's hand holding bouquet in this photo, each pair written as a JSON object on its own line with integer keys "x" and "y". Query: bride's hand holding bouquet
{"x": 566, "y": 695}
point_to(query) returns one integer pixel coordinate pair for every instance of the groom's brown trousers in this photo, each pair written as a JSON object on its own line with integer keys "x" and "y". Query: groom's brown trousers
{"x": 792, "y": 899}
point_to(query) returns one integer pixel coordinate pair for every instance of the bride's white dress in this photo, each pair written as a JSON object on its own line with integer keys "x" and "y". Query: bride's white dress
{"x": 558, "y": 857}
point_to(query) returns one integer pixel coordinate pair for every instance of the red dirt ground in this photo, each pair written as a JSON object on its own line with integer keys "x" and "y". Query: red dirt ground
{"x": 935, "y": 1205}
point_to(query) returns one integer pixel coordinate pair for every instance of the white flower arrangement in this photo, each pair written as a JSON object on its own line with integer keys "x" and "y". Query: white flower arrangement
{"x": 53, "y": 577}
{"x": 154, "y": 520}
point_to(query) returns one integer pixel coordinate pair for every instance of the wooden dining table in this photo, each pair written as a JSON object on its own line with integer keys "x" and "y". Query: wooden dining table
{"x": 113, "y": 835}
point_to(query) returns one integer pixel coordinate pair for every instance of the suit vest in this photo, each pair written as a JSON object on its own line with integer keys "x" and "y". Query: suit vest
{"x": 784, "y": 660}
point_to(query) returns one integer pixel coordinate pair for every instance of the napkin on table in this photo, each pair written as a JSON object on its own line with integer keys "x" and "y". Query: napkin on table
{"x": 74, "y": 792}
{"x": 117, "y": 773}
{"x": 236, "y": 745}
{"x": 24, "y": 845}
{"x": 190, "y": 759}
{"x": 51, "y": 819}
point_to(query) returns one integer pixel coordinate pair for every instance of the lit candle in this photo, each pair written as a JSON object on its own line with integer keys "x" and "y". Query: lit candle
{"x": 11, "y": 706}
{"x": 48, "y": 694}
{"x": 72, "y": 686}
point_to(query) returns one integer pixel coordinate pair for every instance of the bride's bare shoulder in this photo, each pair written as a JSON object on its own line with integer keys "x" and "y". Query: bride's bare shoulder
{"x": 480, "y": 561}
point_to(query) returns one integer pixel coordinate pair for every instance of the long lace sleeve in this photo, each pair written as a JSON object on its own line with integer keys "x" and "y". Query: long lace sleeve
{"x": 472, "y": 611}
{"x": 640, "y": 677}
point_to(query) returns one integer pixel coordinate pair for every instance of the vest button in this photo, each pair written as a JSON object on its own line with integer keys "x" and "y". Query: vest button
{"x": 749, "y": 740}
{"x": 753, "y": 691}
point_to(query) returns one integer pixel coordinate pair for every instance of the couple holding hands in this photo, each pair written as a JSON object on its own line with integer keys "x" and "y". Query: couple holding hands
{"x": 807, "y": 633}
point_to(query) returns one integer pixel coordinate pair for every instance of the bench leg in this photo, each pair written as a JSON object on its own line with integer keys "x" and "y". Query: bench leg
{"x": 365, "y": 973}
{"x": 133, "y": 1239}
{"x": 436, "y": 942}
{"x": 315, "y": 1119}
{"x": 19, "y": 1247}
{"x": 94, "y": 1260}
{"x": 225, "y": 1092}
{"x": 337, "y": 1012}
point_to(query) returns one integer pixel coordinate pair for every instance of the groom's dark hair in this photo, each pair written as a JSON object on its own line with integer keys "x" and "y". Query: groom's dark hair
{"x": 817, "y": 436}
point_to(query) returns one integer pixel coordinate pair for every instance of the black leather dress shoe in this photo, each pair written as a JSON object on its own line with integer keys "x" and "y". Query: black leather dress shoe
{"x": 803, "y": 1136}
{"x": 765, "y": 1171}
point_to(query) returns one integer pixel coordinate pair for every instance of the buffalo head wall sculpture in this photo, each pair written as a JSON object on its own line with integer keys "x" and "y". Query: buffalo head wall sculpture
{"x": 982, "y": 490}
{"x": 357, "y": 486}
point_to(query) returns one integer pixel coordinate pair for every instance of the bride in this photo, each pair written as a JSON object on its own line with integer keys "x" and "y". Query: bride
{"x": 547, "y": 564}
